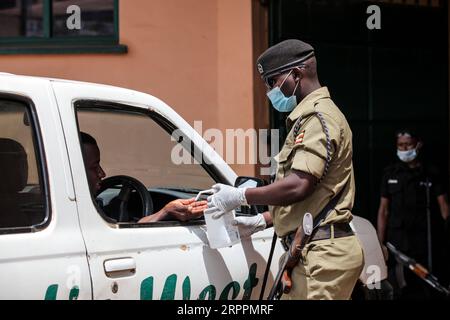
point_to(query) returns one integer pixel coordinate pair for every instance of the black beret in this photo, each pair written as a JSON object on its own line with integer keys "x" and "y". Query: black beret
{"x": 283, "y": 56}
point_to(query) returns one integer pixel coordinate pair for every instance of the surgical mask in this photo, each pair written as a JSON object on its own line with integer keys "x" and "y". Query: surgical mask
{"x": 407, "y": 156}
{"x": 279, "y": 100}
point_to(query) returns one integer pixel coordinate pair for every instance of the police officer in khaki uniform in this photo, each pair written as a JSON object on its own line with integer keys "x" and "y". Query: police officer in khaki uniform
{"x": 314, "y": 175}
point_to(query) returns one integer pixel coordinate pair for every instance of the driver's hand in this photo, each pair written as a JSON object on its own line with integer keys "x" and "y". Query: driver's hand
{"x": 185, "y": 210}
{"x": 181, "y": 210}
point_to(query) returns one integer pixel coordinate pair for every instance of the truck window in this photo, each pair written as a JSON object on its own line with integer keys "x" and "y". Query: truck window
{"x": 22, "y": 200}
{"x": 134, "y": 144}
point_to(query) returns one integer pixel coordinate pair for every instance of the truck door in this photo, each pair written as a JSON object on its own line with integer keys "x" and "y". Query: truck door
{"x": 42, "y": 253}
{"x": 162, "y": 260}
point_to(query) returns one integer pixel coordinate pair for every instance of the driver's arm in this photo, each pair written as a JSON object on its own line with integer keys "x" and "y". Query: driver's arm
{"x": 181, "y": 210}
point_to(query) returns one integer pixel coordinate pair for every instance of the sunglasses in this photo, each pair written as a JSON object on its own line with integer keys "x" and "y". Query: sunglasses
{"x": 271, "y": 81}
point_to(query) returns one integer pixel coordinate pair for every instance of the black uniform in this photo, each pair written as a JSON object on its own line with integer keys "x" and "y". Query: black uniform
{"x": 407, "y": 220}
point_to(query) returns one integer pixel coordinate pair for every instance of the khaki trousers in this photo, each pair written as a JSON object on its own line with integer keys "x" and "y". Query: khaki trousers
{"x": 329, "y": 271}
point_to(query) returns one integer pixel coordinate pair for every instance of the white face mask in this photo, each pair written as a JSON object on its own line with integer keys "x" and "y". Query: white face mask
{"x": 407, "y": 156}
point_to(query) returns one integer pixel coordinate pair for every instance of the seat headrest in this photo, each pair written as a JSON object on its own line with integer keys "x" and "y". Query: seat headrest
{"x": 13, "y": 166}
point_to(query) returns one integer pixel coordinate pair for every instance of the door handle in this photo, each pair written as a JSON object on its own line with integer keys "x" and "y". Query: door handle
{"x": 120, "y": 268}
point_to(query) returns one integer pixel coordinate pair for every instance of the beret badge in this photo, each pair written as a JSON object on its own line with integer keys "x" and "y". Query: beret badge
{"x": 260, "y": 68}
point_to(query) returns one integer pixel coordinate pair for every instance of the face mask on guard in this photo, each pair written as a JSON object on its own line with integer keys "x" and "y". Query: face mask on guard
{"x": 407, "y": 156}
{"x": 279, "y": 100}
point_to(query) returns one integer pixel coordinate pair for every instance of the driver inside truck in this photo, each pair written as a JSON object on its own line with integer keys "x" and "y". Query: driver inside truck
{"x": 181, "y": 209}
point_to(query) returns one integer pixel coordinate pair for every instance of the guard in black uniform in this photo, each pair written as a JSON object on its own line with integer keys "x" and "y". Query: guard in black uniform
{"x": 402, "y": 216}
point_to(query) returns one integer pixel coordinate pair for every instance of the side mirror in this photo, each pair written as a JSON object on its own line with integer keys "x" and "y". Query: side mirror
{"x": 251, "y": 182}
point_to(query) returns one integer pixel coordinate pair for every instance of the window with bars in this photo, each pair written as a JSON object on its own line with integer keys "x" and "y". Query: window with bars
{"x": 59, "y": 26}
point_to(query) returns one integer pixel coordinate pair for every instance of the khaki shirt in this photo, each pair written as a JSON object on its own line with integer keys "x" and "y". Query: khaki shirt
{"x": 307, "y": 152}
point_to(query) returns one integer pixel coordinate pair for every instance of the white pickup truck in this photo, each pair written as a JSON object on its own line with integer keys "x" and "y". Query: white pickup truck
{"x": 55, "y": 240}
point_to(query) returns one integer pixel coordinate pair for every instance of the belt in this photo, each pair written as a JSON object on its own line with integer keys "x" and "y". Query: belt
{"x": 341, "y": 230}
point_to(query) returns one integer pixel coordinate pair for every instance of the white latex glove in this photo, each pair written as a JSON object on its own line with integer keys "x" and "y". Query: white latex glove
{"x": 249, "y": 225}
{"x": 225, "y": 199}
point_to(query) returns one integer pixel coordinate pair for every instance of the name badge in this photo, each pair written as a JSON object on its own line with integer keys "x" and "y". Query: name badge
{"x": 392, "y": 181}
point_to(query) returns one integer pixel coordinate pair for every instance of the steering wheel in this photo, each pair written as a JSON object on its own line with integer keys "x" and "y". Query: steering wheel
{"x": 128, "y": 185}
